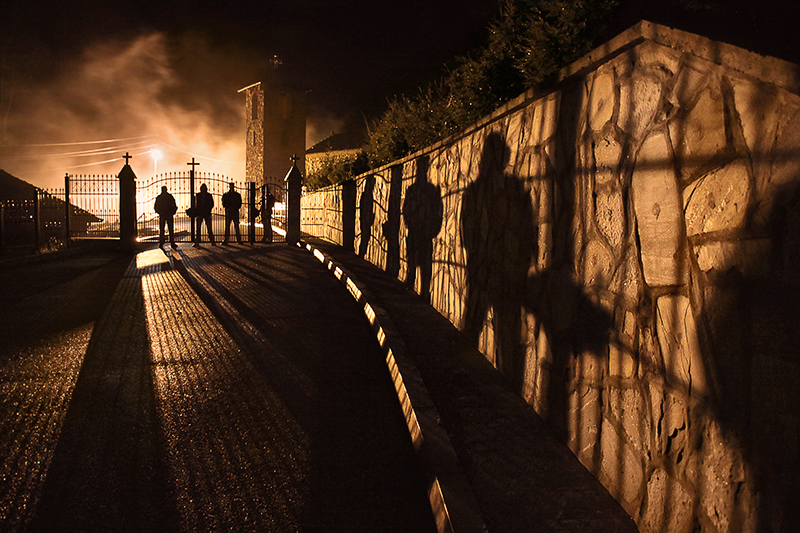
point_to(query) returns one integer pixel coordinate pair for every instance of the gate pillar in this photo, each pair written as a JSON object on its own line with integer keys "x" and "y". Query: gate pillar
{"x": 127, "y": 206}
{"x": 294, "y": 188}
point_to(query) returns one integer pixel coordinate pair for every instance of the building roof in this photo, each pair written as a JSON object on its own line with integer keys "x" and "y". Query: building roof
{"x": 13, "y": 188}
{"x": 336, "y": 142}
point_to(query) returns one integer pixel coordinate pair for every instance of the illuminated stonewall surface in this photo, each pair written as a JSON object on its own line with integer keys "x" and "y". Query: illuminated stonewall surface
{"x": 628, "y": 257}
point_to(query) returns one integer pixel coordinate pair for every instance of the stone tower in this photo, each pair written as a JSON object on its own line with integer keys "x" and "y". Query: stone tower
{"x": 276, "y": 131}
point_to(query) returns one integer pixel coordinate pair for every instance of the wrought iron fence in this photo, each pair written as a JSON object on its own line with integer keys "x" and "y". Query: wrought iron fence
{"x": 88, "y": 207}
{"x": 35, "y": 223}
{"x": 180, "y": 185}
{"x": 93, "y": 206}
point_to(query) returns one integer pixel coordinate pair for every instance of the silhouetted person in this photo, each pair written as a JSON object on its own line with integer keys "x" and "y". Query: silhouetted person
{"x": 166, "y": 208}
{"x": 422, "y": 211}
{"x": 498, "y": 236}
{"x": 232, "y": 202}
{"x": 366, "y": 214}
{"x": 267, "y": 205}
{"x": 204, "y": 203}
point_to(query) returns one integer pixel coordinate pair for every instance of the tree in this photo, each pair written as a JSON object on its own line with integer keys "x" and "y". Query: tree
{"x": 526, "y": 46}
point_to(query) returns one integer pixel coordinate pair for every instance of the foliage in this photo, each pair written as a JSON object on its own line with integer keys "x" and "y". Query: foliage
{"x": 336, "y": 169}
{"x": 526, "y": 46}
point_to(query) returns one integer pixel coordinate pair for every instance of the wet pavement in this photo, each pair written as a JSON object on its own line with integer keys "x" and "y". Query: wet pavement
{"x": 242, "y": 388}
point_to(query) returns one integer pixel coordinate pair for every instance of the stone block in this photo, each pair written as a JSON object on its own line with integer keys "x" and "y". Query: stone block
{"x": 544, "y": 123}
{"x": 607, "y": 156}
{"x": 621, "y": 469}
{"x": 653, "y": 56}
{"x": 516, "y": 133}
{"x": 668, "y": 506}
{"x": 609, "y": 215}
{"x": 718, "y": 201}
{"x": 584, "y": 420}
{"x": 673, "y": 428}
{"x": 749, "y": 256}
{"x": 601, "y": 101}
{"x": 680, "y": 348}
{"x": 757, "y": 105}
{"x": 690, "y": 82}
{"x": 640, "y": 101}
{"x": 620, "y": 362}
{"x": 784, "y": 166}
{"x": 630, "y": 410}
{"x": 627, "y": 279}
{"x": 698, "y": 134}
{"x": 719, "y": 477}
{"x": 659, "y": 213}
{"x": 598, "y": 263}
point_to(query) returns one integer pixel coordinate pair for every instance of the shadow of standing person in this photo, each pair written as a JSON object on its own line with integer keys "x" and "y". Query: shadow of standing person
{"x": 391, "y": 228}
{"x": 422, "y": 212}
{"x": 498, "y": 236}
{"x": 366, "y": 214}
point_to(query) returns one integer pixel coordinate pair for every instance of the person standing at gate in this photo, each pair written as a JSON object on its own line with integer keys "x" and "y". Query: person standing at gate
{"x": 204, "y": 203}
{"x": 232, "y": 202}
{"x": 267, "y": 204}
{"x": 166, "y": 208}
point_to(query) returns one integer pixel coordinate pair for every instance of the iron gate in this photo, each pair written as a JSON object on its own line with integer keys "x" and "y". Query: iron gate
{"x": 92, "y": 206}
{"x": 183, "y": 185}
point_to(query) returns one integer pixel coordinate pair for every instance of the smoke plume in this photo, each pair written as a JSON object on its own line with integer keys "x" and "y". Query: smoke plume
{"x": 142, "y": 95}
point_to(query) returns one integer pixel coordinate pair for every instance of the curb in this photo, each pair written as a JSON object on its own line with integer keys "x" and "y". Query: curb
{"x": 452, "y": 501}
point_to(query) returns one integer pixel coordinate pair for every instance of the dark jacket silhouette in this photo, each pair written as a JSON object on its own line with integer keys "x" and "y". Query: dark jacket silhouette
{"x": 232, "y": 202}
{"x": 204, "y": 203}
{"x": 166, "y": 208}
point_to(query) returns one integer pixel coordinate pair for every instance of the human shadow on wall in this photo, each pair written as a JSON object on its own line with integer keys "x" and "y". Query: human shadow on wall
{"x": 391, "y": 228}
{"x": 754, "y": 350}
{"x": 366, "y": 214}
{"x": 498, "y": 235}
{"x": 423, "y": 213}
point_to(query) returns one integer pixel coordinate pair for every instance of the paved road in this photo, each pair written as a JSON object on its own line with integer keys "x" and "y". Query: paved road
{"x": 234, "y": 388}
{"x": 240, "y": 388}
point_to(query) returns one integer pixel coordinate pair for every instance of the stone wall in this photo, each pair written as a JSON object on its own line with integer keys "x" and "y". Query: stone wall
{"x": 626, "y": 250}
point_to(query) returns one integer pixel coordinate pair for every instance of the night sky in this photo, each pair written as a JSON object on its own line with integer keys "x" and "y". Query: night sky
{"x": 167, "y": 73}
{"x": 149, "y": 75}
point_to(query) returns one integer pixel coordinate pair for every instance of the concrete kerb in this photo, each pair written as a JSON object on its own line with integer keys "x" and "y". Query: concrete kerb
{"x": 452, "y": 501}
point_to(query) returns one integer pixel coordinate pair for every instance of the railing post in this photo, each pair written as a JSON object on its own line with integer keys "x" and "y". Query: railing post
{"x": 127, "y": 206}
{"x": 294, "y": 189}
{"x": 192, "y": 205}
{"x": 66, "y": 211}
{"x": 2, "y": 228}
{"x": 37, "y": 220}
{"x": 251, "y": 193}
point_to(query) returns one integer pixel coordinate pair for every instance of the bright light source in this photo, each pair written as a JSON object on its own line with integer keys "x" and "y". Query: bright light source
{"x": 156, "y": 154}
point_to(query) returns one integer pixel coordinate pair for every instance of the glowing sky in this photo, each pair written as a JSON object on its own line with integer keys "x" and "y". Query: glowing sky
{"x": 92, "y": 80}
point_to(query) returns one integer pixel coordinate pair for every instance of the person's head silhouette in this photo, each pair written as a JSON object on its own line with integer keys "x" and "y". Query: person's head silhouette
{"x": 496, "y": 154}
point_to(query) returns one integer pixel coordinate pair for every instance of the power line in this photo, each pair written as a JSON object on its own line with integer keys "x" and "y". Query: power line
{"x": 76, "y": 142}
{"x": 201, "y": 156}
{"x": 81, "y": 153}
